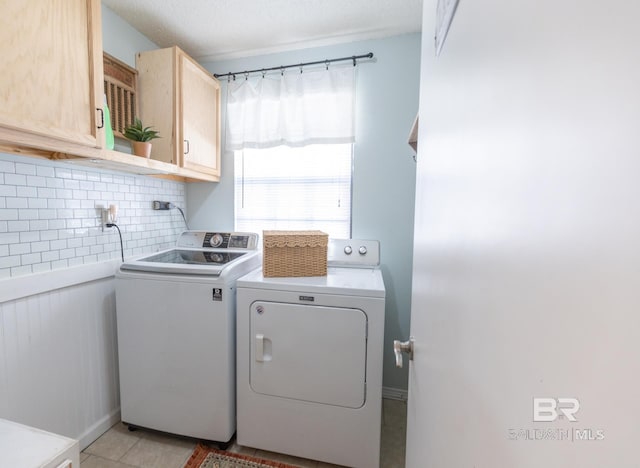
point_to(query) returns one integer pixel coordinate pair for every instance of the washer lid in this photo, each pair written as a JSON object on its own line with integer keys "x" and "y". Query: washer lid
{"x": 209, "y": 262}
{"x": 344, "y": 281}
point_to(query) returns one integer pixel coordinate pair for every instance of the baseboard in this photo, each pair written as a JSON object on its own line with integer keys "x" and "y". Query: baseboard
{"x": 99, "y": 428}
{"x": 394, "y": 393}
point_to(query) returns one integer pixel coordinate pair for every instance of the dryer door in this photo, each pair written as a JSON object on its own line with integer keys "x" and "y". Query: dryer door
{"x": 309, "y": 353}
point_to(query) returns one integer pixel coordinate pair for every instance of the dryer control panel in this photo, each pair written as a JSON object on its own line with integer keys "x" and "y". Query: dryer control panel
{"x": 355, "y": 253}
{"x": 218, "y": 240}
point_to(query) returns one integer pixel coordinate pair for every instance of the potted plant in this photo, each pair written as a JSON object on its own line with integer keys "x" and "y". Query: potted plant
{"x": 140, "y": 138}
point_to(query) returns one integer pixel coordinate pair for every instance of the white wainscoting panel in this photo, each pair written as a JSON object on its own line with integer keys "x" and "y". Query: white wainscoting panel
{"x": 58, "y": 360}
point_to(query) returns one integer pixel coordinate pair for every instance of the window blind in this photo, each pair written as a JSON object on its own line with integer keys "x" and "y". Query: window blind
{"x": 294, "y": 188}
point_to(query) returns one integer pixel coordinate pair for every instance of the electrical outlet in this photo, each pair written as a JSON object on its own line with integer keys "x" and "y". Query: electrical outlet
{"x": 161, "y": 205}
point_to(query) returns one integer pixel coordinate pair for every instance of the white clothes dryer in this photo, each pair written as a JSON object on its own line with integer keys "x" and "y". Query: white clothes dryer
{"x": 309, "y": 359}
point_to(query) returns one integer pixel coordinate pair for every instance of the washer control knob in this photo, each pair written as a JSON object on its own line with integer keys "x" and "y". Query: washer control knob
{"x": 216, "y": 240}
{"x": 362, "y": 250}
{"x": 348, "y": 250}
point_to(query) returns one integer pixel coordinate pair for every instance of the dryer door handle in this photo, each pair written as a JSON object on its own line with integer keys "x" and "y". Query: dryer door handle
{"x": 260, "y": 348}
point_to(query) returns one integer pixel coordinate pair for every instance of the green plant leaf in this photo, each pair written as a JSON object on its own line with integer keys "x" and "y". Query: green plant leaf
{"x": 136, "y": 132}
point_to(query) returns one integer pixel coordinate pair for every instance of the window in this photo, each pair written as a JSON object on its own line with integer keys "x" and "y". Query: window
{"x": 294, "y": 188}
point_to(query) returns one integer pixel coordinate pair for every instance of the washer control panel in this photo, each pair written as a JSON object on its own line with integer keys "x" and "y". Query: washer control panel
{"x": 353, "y": 252}
{"x": 218, "y": 240}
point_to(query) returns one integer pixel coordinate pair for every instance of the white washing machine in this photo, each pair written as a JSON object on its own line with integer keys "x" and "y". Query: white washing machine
{"x": 309, "y": 359}
{"x": 176, "y": 334}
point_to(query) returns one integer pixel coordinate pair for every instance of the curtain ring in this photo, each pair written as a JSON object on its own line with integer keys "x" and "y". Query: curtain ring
{"x": 301, "y": 69}
{"x": 263, "y": 73}
{"x": 354, "y": 60}
{"x": 234, "y": 77}
{"x": 281, "y": 71}
{"x": 246, "y": 76}
{"x": 229, "y": 78}
{"x": 326, "y": 64}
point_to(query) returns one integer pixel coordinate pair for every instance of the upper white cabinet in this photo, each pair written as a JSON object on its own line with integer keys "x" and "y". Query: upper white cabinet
{"x": 51, "y": 78}
{"x": 181, "y": 100}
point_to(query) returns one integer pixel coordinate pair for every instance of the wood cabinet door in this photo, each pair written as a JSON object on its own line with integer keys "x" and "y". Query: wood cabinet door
{"x": 200, "y": 110}
{"x": 52, "y": 69}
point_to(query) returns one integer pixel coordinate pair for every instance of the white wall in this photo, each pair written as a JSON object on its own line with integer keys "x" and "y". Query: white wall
{"x": 527, "y": 240}
{"x": 384, "y": 171}
{"x": 58, "y": 366}
{"x": 59, "y": 354}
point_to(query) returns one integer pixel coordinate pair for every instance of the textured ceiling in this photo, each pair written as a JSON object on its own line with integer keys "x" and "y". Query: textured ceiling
{"x": 212, "y": 30}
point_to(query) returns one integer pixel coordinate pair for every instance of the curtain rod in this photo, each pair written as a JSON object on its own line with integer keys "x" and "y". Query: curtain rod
{"x": 305, "y": 64}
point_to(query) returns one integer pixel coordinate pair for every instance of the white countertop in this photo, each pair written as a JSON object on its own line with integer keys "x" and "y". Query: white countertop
{"x": 25, "y": 447}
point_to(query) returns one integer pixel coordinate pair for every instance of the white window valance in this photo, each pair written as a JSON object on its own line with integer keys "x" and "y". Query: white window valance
{"x": 292, "y": 109}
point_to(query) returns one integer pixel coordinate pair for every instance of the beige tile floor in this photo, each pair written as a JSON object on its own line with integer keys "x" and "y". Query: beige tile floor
{"x": 120, "y": 448}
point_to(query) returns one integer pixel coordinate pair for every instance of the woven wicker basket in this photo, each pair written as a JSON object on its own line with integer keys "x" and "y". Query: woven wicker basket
{"x": 294, "y": 253}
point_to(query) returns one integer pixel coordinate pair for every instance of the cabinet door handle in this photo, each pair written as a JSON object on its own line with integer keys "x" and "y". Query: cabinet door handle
{"x": 101, "y": 117}
{"x": 187, "y": 145}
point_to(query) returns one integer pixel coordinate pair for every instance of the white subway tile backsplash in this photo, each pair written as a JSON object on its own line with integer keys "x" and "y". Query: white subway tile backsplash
{"x": 7, "y": 261}
{"x": 64, "y": 194}
{"x": 79, "y": 175}
{"x": 36, "y": 181}
{"x": 73, "y": 223}
{"x": 7, "y": 214}
{"x": 18, "y": 249}
{"x": 58, "y": 245}
{"x": 7, "y": 190}
{"x": 55, "y": 203}
{"x": 41, "y": 246}
{"x": 81, "y": 251}
{"x": 26, "y": 191}
{"x": 7, "y": 166}
{"x": 56, "y": 223}
{"x": 49, "y": 216}
{"x": 29, "y": 236}
{"x": 54, "y": 183}
{"x": 71, "y": 184}
{"x": 67, "y": 253}
{"x": 21, "y": 270}
{"x": 15, "y": 179}
{"x": 46, "y": 213}
{"x": 30, "y": 259}
{"x": 17, "y": 226}
{"x": 9, "y": 238}
{"x": 49, "y": 235}
{"x": 13, "y": 202}
{"x": 50, "y": 255}
{"x": 29, "y": 169}
{"x": 37, "y": 202}
{"x": 40, "y": 267}
{"x": 45, "y": 171}
{"x": 28, "y": 213}
{"x": 46, "y": 192}
{"x": 59, "y": 264}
